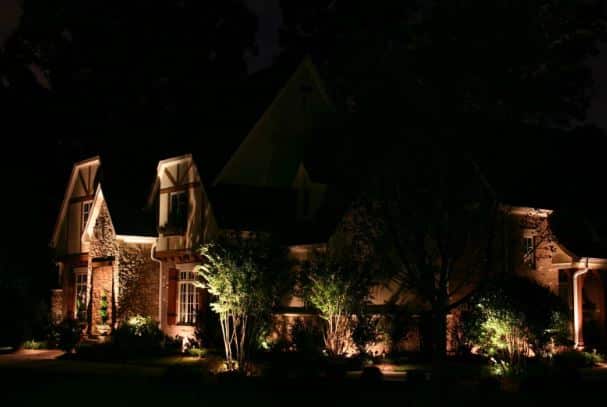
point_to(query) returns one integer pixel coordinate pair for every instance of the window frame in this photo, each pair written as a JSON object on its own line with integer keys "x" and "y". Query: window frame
{"x": 84, "y": 219}
{"x": 80, "y": 281}
{"x": 170, "y": 215}
{"x": 187, "y": 290}
{"x": 529, "y": 251}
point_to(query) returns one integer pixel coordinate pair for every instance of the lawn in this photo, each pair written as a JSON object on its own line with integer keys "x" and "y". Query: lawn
{"x": 177, "y": 380}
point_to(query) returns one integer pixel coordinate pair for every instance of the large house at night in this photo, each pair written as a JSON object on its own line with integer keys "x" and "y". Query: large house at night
{"x": 112, "y": 255}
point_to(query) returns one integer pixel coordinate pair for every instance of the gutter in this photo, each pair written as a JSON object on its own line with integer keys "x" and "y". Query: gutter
{"x": 578, "y": 308}
{"x": 152, "y": 256}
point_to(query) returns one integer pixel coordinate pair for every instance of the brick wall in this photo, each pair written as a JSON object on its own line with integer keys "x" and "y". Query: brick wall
{"x": 101, "y": 286}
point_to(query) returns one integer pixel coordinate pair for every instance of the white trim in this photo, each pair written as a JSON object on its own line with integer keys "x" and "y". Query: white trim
{"x": 68, "y": 193}
{"x": 78, "y": 272}
{"x": 171, "y": 161}
{"x": 525, "y": 210}
{"x": 87, "y": 233}
{"x": 137, "y": 239}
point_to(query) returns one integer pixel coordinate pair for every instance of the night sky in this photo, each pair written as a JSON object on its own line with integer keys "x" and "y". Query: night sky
{"x": 54, "y": 154}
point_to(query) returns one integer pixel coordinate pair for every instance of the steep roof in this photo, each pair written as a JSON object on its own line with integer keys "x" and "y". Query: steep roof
{"x": 274, "y": 148}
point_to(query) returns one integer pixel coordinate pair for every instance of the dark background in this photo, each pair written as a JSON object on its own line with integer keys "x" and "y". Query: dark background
{"x": 39, "y": 148}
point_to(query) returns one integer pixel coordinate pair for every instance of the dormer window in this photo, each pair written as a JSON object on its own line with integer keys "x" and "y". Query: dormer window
{"x": 178, "y": 209}
{"x": 86, "y": 211}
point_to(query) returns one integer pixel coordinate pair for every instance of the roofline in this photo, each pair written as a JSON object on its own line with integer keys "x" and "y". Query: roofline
{"x": 162, "y": 164}
{"x": 526, "y": 210}
{"x": 306, "y": 63}
{"x": 87, "y": 231}
{"x": 68, "y": 192}
{"x": 137, "y": 239}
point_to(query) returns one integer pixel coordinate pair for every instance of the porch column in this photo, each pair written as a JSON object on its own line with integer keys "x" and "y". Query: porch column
{"x": 578, "y": 312}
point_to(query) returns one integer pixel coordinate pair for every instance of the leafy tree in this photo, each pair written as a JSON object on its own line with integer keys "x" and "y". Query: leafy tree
{"x": 513, "y": 318}
{"x": 437, "y": 217}
{"x": 246, "y": 285}
{"x": 139, "y": 63}
{"x": 337, "y": 283}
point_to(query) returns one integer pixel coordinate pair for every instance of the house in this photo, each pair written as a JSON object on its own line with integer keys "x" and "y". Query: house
{"x": 118, "y": 257}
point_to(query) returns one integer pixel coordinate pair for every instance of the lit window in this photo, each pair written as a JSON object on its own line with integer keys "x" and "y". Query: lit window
{"x": 188, "y": 298}
{"x": 86, "y": 211}
{"x": 529, "y": 250}
{"x": 178, "y": 209}
{"x": 80, "y": 300}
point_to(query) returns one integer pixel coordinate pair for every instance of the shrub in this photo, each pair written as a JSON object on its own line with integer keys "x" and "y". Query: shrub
{"x": 307, "y": 338}
{"x": 140, "y": 335}
{"x": 513, "y": 318}
{"x": 198, "y": 352}
{"x": 575, "y": 359}
{"x": 68, "y": 334}
{"x": 32, "y": 344}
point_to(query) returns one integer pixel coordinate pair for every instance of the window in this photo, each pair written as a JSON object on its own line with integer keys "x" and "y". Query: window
{"x": 178, "y": 209}
{"x": 80, "y": 300}
{"x": 529, "y": 251}
{"x": 188, "y": 298}
{"x": 86, "y": 211}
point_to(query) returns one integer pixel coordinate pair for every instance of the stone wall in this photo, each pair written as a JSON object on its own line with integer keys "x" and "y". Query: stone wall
{"x": 138, "y": 280}
{"x": 57, "y": 311}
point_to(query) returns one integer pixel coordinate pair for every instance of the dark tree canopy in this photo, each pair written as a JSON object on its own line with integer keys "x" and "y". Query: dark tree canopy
{"x": 138, "y": 63}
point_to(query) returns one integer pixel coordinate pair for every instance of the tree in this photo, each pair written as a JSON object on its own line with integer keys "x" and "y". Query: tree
{"x": 247, "y": 280}
{"x": 144, "y": 64}
{"x": 438, "y": 216}
{"x": 337, "y": 282}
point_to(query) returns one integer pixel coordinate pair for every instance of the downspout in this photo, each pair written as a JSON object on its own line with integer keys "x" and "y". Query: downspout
{"x": 578, "y": 308}
{"x": 152, "y": 256}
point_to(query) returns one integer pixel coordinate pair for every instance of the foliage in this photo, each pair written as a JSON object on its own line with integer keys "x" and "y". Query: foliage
{"x": 68, "y": 333}
{"x": 396, "y": 325}
{"x": 367, "y": 331}
{"x": 139, "y": 335}
{"x": 198, "y": 352}
{"x": 103, "y": 308}
{"x": 32, "y": 344}
{"x": 576, "y": 359}
{"x": 338, "y": 287}
{"x": 181, "y": 48}
{"x": 512, "y": 319}
{"x": 306, "y": 338}
{"x": 247, "y": 279}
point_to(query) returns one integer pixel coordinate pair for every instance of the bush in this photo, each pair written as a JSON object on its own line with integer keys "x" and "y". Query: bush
{"x": 512, "y": 318}
{"x": 198, "y": 352}
{"x": 575, "y": 359}
{"x": 32, "y": 344}
{"x": 140, "y": 335}
{"x": 307, "y": 338}
{"x": 68, "y": 334}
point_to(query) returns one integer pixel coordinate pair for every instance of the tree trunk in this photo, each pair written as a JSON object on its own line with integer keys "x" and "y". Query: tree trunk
{"x": 439, "y": 343}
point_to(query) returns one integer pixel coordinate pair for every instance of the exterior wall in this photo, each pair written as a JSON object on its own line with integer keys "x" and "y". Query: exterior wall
{"x": 138, "y": 281}
{"x": 177, "y": 329}
{"x": 101, "y": 285}
{"x": 57, "y": 310}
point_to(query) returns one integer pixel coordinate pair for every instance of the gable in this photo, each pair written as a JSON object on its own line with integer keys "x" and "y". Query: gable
{"x": 80, "y": 190}
{"x": 271, "y": 153}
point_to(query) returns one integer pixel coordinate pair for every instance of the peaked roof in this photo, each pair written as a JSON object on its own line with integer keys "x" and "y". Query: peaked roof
{"x": 274, "y": 148}
{"x": 68, "y": 193}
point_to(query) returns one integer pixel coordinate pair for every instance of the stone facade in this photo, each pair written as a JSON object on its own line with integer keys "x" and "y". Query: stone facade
{"x": 138, "y": 279}
{"x": 57, "y": 312}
